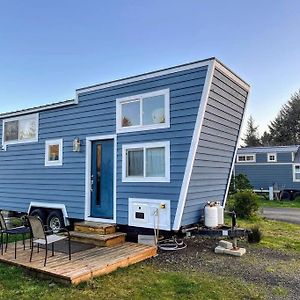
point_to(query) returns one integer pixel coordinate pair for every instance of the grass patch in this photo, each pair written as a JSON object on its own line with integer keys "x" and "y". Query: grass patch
{"x": 276, "y": 234}
{"x": 263, "y": 202}
{"x": 135, "y": 282}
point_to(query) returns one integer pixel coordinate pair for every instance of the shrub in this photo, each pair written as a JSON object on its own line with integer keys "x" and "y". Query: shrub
{"x": 244, "y": 203}
{"x": 255, "y": 235}
{"x": 239, "y": 182}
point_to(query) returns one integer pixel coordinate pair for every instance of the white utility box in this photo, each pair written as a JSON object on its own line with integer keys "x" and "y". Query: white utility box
{"x": 149, "y": 213}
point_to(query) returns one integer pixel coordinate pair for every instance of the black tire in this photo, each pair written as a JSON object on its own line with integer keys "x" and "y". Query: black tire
{"x": 55, "y": 220}
{"x": 296, "y": 195}
{"x": 39, "y": 213}
{"x": 285, "y": 195}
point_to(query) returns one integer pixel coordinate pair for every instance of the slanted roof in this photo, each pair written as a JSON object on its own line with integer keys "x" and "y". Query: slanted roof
{"x": 276, "y": 149}
{"x": 36, "y": 109}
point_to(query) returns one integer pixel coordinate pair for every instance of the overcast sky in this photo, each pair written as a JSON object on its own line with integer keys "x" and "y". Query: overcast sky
{"x": 50, "y": 48}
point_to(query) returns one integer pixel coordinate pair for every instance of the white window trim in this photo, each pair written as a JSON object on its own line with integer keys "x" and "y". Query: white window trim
{"x": 246, "y": 161}
{"x": 272, "y": 154}
{"x": 120, "y": 101}
{"x": 19, "y": 118}
{"x": 59, "y": 162}
{"x": 165, "y": 144}
{"x": 294, "y": 173}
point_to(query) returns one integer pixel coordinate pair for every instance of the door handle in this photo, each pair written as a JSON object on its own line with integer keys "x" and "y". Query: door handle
{"x": 92, "y": 183}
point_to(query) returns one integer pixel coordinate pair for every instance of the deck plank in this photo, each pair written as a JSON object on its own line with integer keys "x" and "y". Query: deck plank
{"x": 84, "y": 265}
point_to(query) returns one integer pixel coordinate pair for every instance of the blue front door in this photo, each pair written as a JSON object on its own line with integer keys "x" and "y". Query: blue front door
{"x": 102, "y": 179}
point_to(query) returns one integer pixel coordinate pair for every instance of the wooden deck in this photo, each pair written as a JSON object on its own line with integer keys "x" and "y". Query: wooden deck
{"x": 84, "y": 265}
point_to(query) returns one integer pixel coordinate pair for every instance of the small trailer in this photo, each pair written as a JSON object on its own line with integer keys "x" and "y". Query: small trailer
{"x": 271, "y": 168}
{"x": 148, "y": 151}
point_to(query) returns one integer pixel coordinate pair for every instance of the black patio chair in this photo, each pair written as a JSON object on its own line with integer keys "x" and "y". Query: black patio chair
{"x": 21, "y": 230}
{"x": 41, "y": 236}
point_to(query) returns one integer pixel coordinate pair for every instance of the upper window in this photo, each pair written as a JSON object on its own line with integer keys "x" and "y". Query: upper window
{"x": 296, "y": 173}
{"x": 54, "y": 152}
{"x": 246, "y": 158}
{"x": 20, "y": 129}
{"x": 149, "y": 162}
{"x": 144, "y": 111}
{"x": 272, "y": 157}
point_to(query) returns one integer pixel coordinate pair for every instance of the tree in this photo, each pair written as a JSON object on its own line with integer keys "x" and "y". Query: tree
{"x": 285, "y": 129}
{"x": 251, "y": 137}
{"x": 266, "y": 139}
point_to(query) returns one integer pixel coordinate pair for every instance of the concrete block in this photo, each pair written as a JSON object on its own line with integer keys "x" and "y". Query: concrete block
{"x": 237, "y": 252}
{"x": 219, "y": 250}
{"x": 225, "y": 244}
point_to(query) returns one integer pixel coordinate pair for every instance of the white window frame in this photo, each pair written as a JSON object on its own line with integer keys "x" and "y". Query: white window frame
{"x": 246, "y": 161}
{"x": 140, "y": 97}
{"x": 294, "y": 173}
{"x": 20, "y": 118}
{"x": 272, "y": 154}
{"x": 144, "y": 146}
{"x": 49, "y": 163}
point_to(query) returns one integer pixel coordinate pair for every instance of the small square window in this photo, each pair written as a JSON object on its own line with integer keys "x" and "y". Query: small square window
{"x": 54, "y": 152}
{"x": 272, "y": 157}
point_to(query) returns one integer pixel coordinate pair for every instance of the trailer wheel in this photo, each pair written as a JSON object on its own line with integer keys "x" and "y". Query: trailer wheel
{"x": 55, "y": 220}
{"x": 284, "y": 195}
{"x": 296, "y": 195}
{"x": 39, "y": 213}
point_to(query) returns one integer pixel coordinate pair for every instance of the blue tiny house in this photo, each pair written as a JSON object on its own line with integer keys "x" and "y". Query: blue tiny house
{"x": 143, "y": 151}
{"x": 277, "y": 167}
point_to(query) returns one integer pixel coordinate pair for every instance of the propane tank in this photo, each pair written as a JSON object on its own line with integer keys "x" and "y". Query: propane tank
{"x": 220, "y": 213}
{"x": 211, "y": 215}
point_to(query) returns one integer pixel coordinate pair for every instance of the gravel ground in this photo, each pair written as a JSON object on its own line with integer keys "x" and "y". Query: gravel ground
{"x": 276, "y": 270}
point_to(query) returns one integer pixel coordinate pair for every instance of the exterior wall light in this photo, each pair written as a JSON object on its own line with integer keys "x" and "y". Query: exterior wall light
{"x": 76, "y": 145}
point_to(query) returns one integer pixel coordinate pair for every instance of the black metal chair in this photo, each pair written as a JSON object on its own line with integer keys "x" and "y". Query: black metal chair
{"x": 41, "y": 236}
{"x": 21, "y": 230}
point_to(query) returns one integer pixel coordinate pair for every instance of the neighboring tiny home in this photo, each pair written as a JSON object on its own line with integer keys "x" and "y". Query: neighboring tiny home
{"x": 141, "y": 151}
{"x": 276, "y": 167}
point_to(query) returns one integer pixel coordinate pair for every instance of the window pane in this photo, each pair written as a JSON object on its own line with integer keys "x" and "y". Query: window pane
{"x": 241, "y": 158}
{"x": 27, "y": 129}
{"x": 297, "y": 175}
{"x": 11, "y": 131}
{"x": 135, "y": 162}
{"x": 154, "y": 110}
{"x": 131, "y": 114}
{"x": 53, "y": 153}
{"x": 249, "y": 157}
{"x": 155, "y": 162}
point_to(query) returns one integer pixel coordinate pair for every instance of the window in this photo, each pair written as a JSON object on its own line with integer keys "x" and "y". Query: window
{"x": 149, "y": 162}
{"x": 144, "y": 111}
{"x": 246, "y": 158}
{"x": 20, "y": 129}
{"x": 296, "y": 172}
{"x": 54, "y": 153}
{"x": 272, "y": 157}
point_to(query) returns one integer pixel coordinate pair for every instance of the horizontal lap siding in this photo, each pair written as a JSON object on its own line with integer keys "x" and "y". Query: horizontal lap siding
{"x": 184, "y": 104}
{"x": 24, "y": 178}
{"x": 264, "y": 176}
{"x": 217, "y": 144}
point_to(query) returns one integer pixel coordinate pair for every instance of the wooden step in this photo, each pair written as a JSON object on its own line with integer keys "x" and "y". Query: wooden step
{"x": 95, "y": 227}
{"x": 100, "y": 240}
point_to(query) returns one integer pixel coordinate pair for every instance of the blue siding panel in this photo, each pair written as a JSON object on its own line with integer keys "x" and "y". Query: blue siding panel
{"x": 24, "y": 178}
{"x": 217, "y": 144}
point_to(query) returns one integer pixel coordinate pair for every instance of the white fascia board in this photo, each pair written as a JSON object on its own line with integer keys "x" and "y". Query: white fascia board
{"x": 144, "y": 76}
{"x": 38, "y": 109}
{"x": 194, "y": 146}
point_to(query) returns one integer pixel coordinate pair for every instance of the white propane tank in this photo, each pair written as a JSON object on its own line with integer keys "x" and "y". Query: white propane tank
{"x": 211, "y": 215}
{"x": 220, "y": 214}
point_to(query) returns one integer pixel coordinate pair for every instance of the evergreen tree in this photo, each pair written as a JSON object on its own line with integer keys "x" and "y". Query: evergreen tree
{"x": 266, "y": 139}
{"x": 285, "y": 129}
{"x": 251, "y": 137}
